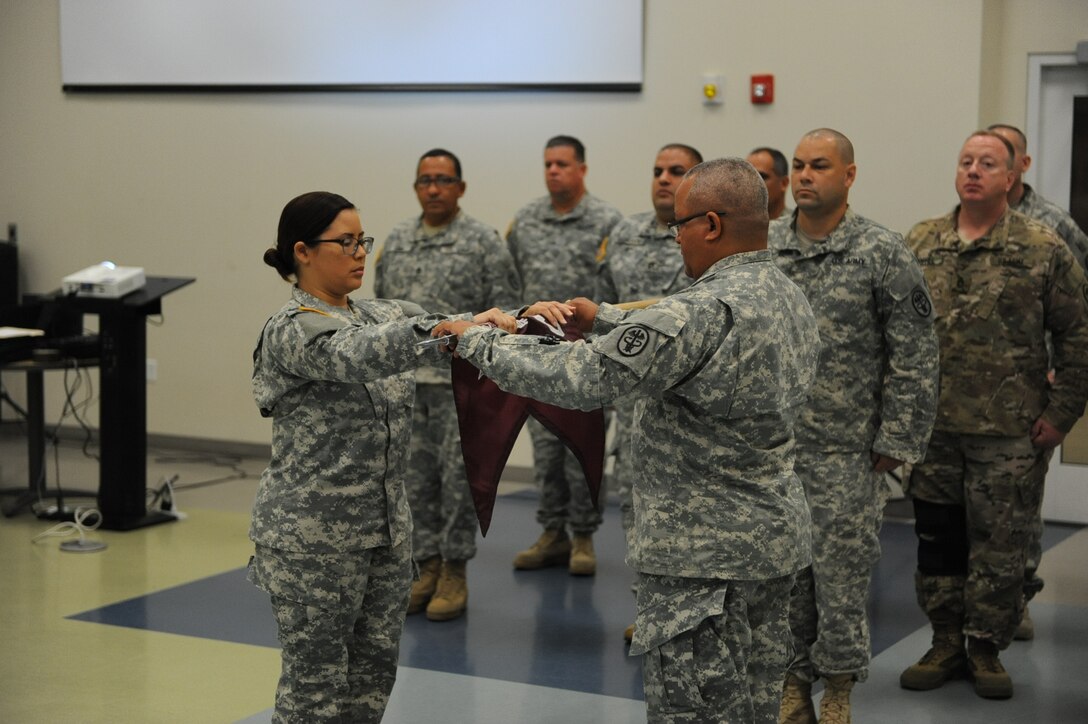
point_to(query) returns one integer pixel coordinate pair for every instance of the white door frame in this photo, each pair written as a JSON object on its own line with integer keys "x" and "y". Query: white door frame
{"x": 1066, "y": 496}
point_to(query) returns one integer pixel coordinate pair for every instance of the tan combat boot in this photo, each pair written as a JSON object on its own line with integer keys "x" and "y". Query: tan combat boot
{"x": 552, "y": 548}
{"x": 423, "y": 589}
{"x": 945, "y": 660}
{"x": 796, "y": 706}
{"x": 835, "y": 706}
{"x": 583, "y": 561}
{"x": 451, "y": 594}
{"x": 1025, "y": 630}
{"x": 991, "y": 679}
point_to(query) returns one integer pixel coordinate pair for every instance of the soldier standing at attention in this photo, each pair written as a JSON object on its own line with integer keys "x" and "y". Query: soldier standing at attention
{"x": 444, "y": 260}
{"x": 331, "y": 524}
{"x": 1000, "y": 283}
{"x": 721, "y": 524}
{"x": 555, "y": 241}
{"x": 870, "y": 410}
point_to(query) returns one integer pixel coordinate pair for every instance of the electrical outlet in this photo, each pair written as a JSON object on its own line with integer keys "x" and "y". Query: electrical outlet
{"x": 152, "y": 369}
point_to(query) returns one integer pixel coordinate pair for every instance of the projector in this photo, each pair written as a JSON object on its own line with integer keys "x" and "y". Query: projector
{"x": 105, "y": 281}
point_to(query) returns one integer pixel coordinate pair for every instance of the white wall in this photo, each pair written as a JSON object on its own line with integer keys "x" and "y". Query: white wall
{"x": 192, "y": 185}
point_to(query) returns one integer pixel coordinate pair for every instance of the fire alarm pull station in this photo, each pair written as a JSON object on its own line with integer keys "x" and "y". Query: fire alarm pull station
{"x": 762, "y": 89}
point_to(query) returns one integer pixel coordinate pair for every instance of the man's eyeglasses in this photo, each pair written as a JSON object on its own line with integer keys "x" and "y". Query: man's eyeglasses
{"x": 674, "y": 226}
{"x": 349, "y": 245}
{"x": 442, "y": 182}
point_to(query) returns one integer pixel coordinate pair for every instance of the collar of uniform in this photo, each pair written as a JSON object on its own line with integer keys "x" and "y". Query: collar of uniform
{"x": 838, "y": 240}
{"x": 995, "y": 238}
{"x": 305, "y": 299}
{"x": 653, "y": 229}
{"x": 440, "y": 235}
{"x": 733, "y": 260}
{"x": 1027, "y": 200}
{"x": 577, "y": 212}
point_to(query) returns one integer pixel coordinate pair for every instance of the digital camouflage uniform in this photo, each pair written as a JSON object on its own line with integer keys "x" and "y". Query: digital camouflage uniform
{"x": 640, "y": 260}
{"x": 1050, "y": 214}
{"x": 465, "y": 266}
{"x": 331, "y": 521}
{"x": 721, "y": 523}
{"x": 980, "y": 486}
{"x": 556, "y": 258}
{"x": 1033, "y": 205}
{"x": 875, "y": 390}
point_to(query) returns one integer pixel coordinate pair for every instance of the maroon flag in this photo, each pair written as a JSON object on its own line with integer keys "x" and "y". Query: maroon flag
{"x": 490, "y": 420}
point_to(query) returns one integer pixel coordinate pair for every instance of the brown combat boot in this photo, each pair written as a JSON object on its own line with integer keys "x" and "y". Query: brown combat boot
{"x": 835, "y": 706}
{"x": 796, "y": 706}
{"x": 423, "y": 589}
{"x": 552, "y": 548}
{"x": 945, "y": 660}
{"x": 451, "y": 594}
{"x": 991, "y": 679}
{"x": 583, "y": 561}
{"x": 1025, "y": 630}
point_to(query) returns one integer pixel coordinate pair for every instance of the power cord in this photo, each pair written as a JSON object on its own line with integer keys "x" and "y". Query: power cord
{"x": 86, "y": 519}
{"x": 163, "y": 497}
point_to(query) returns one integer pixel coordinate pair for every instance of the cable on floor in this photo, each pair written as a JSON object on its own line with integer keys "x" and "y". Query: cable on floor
{"x": 86, "y": 519}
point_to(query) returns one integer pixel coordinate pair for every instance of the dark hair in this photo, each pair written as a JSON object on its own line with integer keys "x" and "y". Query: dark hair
{"x": 579, "y": 149}
{"x": 304, "y": 218}
{"x": 778, "y": 159}
{"x": 691, "y": 152}
{"x": 440, "y": 153}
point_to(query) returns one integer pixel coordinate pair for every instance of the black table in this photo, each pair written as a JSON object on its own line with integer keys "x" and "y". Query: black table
{"x": 122, "y": 329}
{"x": 36, "y": 489}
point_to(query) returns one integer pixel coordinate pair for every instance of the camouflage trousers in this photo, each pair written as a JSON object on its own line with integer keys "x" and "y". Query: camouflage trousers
{"x": 339, "y": 618}
{"x": 1032, "y": 581}
{"x": 713, "y": 651}
{"x": 995, "y": 485}
{"x": 443, "y": 515}
{"x": 564, "y": 494}
{"x": 828, "y": 619}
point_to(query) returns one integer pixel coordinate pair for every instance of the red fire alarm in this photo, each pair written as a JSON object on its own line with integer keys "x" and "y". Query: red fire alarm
{"x": 762, "y": 89}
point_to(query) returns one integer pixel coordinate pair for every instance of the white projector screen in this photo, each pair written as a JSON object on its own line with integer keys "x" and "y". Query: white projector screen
{"x": 351, "y": 44}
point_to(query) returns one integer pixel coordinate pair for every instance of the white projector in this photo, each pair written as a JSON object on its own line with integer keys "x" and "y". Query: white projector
{"x": 105, "y": 280}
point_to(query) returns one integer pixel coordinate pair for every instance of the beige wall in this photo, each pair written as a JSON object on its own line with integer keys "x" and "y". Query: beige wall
{"x": 192, "y": 185}
{"x": 1013, "y": 29}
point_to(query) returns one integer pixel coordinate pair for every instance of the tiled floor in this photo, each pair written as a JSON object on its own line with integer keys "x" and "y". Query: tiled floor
{"x": 162, "y": 627}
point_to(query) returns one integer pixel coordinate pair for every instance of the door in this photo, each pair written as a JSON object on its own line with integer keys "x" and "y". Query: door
{"x": 1057, "y": 86}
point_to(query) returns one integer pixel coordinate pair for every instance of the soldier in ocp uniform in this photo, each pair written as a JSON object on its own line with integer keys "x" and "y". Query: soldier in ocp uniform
{"x": 331, "y": 522}
{"x": 1000, "y": 283}
{"x": 555, "y": 240}
{"x": 444, "y": 260}
{"x": 638, "y": 261}
{"x": 720, "y": 523}
{"x": 870, "y": 409}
